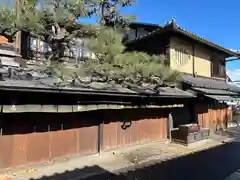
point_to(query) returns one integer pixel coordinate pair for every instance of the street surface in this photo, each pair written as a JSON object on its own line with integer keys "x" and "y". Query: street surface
{"x": 213, "y": 164}
{"x": 217, "y": 163}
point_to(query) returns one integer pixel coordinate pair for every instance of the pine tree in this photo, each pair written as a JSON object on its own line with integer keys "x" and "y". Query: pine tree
{"x": 55, "y": 22}
{"x": 114, "y": 64}
{"x": 109, "y": 12}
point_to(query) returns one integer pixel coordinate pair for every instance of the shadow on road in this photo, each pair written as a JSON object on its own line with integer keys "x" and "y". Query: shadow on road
{"x": 213, "y": 164}
{"x": 233, "y": 132}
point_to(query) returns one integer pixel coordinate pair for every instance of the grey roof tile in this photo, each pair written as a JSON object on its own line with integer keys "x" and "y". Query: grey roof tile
{"x": 48, "y": 84}
{"x": 172, "y": 90}
{"x": 214, "y": 91}
{"x": 162, "y": 91}
{"x": 29, "y": 80}
{"x": 221, "y": 98}
{"x": 209, "y": 83}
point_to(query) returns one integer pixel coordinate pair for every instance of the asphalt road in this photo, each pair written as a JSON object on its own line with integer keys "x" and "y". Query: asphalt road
{"x": 213, "y": 164}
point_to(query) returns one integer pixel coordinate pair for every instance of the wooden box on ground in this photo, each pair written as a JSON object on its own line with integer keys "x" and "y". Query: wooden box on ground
{"x": 188, "y": 134}
{"x": 189, "y": 128}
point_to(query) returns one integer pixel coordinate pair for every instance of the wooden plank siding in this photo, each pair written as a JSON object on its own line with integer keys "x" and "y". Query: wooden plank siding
{"x": 46, "y": 137}
{"x": 133, "y": 126}
{"x": 30, "y": 138}
{"x": 213, "y": 116}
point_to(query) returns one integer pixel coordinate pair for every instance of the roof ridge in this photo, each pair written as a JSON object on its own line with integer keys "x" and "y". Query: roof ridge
{"x": 172, "y": 25}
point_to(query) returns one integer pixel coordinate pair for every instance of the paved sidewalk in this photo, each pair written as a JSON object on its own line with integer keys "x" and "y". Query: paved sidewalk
{"x": 80, "y": 168}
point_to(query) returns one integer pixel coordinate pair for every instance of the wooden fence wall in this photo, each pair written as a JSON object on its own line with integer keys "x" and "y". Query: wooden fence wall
{"x": 34, "y": 138}
{"x": 213, "y": 116}
{"x": 29, "y": 138}
{"x": 133, "y": 126}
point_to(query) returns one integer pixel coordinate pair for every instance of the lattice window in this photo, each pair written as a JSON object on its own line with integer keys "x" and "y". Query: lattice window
{"x": 218, "y": 67}
{"x": 182, "y": 56}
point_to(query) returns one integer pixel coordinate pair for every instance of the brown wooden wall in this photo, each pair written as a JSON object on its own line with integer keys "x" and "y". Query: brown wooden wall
{"x": 33, "y": 138}
{"x": 133, "y": 126}
{"x": 213, "y": 116}
{"x": 30, "y": 138}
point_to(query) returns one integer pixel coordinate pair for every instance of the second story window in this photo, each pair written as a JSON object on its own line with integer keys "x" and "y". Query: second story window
{"x": 181, "y": 56}
{"x": 218, "y": 68}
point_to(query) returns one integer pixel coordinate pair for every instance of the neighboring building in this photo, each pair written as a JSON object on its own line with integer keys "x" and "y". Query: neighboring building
{"x": 34, "y": 48}
{"x": 203, "y": 63}
{"x": 187, "y": 52}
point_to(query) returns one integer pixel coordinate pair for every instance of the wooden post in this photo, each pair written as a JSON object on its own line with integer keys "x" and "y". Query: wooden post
{"x": 170, "y": 126}
{"x": 193, "y": 59}
{"x": 100, "y": 136}
{"x": 225, "y": 70}
{"x": 1, "y": 129}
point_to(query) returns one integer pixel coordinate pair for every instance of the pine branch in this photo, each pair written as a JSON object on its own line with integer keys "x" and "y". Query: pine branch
{"x": 127, "y": 67}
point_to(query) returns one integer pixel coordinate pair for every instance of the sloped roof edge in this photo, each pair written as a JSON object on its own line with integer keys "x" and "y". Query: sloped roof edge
{"x": 208, "y": 83}
{"x": 48, "y": 87}
{"x": 173, "y": 27}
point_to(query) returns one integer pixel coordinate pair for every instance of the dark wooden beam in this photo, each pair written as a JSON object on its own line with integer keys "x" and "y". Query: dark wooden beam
{"x": 193, "y": 54}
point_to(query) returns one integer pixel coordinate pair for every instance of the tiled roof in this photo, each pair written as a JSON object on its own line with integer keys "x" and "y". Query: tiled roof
{"x": 162, "y": 91}
{"x": 173, "y": 27}
{"x": 221, "y": 98}
{"x": 210, "y": 83}
{"x": 144, "y": 24}
{"x": 214, "y": 91}
{"x": 46, "y": 84}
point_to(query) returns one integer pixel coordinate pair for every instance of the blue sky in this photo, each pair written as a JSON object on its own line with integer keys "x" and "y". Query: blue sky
{"x": 215, "y": 20}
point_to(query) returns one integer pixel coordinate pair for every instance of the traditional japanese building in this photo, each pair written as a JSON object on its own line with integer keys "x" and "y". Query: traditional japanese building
{"x": 41, "y": 121}
{"x": 203, "y": 64}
